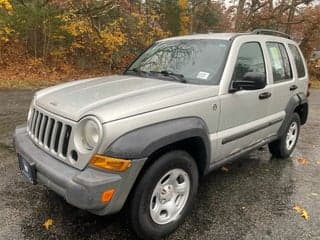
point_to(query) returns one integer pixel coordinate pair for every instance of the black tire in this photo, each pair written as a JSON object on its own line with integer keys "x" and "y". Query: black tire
{"x": 278, "y": 148}
{"x": 139, "y": 206}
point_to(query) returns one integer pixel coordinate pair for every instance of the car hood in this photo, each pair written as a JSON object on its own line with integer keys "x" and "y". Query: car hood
{"x": 118, "y": 96}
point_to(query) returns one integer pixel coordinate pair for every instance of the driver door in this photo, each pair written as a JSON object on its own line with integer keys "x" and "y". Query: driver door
{"x": 244, "y": 112}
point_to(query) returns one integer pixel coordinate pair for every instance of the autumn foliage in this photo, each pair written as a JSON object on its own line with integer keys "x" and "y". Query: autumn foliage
{"x": 43, "y": 42}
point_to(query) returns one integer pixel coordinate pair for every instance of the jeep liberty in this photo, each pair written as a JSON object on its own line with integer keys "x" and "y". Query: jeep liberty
{"x": 185, "y": 106}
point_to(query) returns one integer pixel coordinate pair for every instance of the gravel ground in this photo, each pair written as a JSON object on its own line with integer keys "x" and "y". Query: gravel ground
{"x": 253, "y": 200}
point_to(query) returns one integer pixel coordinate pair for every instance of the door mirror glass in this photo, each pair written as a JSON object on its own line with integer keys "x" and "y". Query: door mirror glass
{"x": 250, "y": 81}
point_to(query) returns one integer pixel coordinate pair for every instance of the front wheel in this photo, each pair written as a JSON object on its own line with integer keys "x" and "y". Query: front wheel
{"x": 164, "y": 195}
{"x": 284, "y": 146}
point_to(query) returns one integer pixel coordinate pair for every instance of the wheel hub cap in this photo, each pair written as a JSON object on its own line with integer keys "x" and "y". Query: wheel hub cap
{"x": 170, "y": 196}
{"x": 292, "y": 135}
{"x": 166, "y": 193}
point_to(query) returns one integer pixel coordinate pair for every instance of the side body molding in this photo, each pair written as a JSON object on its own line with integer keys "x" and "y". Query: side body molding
{"x": 300, "y": 99}
{"x": 142, "y": 142}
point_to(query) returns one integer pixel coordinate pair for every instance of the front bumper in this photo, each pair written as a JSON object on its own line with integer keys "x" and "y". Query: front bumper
{"x": 81, "y": 188}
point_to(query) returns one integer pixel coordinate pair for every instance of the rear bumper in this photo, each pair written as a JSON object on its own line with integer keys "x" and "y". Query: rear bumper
{"x": 81, "y": 188}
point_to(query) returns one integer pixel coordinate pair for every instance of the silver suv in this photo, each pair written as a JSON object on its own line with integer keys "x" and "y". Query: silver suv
{"x": 185, "y": 106}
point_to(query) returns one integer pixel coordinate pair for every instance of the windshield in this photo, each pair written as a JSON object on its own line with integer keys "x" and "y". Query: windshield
{"x": 198, "y": 61}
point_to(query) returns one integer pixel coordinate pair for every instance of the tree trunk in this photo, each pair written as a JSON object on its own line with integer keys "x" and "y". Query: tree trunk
{"x": 239, "y": 15}
{"x": 290, "y": 17}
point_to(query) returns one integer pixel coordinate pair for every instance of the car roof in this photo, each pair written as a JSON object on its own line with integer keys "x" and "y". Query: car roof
{"x": 223, "y": 36}
{"x": 228, "y": 36}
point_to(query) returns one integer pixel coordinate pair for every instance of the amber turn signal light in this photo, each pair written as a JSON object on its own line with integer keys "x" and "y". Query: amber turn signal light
{"x": 109, "y": 163}
{"x": 107, "y": 195}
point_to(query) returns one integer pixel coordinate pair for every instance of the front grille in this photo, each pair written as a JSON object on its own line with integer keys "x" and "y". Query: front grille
{"x": 49, "y": 133}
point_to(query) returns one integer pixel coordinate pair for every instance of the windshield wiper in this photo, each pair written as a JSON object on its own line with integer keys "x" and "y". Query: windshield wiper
{"x": 176, "y": 76}
{"x": 137, "y": 70}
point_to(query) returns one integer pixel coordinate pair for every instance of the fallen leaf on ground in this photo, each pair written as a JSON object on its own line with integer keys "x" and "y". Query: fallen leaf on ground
{"x": 225, "y": 169}
{"x": 303, "y": 213}
{"x": 48, "y": 223}
{"x": 318, "y": 162}
{"x": 302, "y": 161}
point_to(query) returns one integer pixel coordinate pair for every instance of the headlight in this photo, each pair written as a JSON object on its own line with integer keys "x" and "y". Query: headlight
{"x": 91, "y": 133}
{"x": 88, "y": 134}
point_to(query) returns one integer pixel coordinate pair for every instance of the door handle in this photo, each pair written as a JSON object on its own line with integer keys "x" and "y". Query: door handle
{"x": 293, "y": 87}
{"x": 264, "y": 95}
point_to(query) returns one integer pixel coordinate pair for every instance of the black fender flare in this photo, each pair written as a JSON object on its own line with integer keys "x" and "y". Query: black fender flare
{"x": 142, "y": 142}
{"x": 295, "y": 101}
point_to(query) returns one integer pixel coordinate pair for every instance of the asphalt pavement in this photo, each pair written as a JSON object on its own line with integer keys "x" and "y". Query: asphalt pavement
{"x": 252, "y": 198}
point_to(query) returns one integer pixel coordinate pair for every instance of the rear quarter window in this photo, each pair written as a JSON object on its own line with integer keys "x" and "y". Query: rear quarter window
{"x": 298, "y": 60}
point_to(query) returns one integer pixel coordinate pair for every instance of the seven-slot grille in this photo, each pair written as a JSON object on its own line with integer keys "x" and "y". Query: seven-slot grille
{"x": 49, "y": 133}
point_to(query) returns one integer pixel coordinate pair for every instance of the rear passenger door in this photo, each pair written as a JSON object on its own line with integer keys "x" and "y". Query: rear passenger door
{"x": 284, "y": 85}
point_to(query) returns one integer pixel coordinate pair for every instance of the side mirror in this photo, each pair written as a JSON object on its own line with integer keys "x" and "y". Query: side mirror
{"x": 250, "y": 81}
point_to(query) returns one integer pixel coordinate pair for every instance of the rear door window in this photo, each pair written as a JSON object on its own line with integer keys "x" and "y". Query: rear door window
{"x": 298, "y": 60}
{"x": 281, "y": 67}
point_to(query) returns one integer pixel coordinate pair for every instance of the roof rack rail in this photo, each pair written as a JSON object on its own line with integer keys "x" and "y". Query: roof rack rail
{"x": 271, "y": 32}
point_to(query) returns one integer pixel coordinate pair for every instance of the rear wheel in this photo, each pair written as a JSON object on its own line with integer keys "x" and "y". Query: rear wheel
{"x": 164, "y": 195}
{"x": 284, "y": 146}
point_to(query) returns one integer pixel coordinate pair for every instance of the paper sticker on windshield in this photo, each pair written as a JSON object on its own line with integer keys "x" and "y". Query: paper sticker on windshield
{"x": 203, "y": 75}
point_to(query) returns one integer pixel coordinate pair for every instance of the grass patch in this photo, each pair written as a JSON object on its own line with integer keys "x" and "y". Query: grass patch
{"x": 315, "y": 84}
{"x": 36, "y": 82}
{"x": 25, "y": 84}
